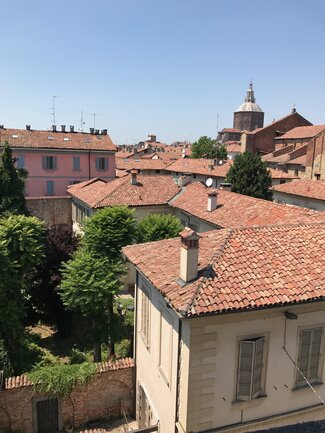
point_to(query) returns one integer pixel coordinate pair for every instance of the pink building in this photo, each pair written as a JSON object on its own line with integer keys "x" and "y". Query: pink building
{"x": 55, "y": 160}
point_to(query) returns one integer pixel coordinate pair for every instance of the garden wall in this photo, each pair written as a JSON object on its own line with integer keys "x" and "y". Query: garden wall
{"x": 53, "y": 210}
{"x": 107, "y": 395}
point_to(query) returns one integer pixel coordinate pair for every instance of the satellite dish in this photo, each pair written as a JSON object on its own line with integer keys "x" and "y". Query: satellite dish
{"x": 220, "y": 162}
{"x": 209, "y": 182}
{"x": 183, "y": 156}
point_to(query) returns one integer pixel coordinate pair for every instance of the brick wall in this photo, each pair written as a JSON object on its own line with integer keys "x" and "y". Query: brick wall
{"x": 315, "y": 159}
{"x": 52, "y": 210}
{"x": 108, "y": 394}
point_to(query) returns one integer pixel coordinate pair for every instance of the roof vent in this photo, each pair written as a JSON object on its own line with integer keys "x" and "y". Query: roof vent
{"x": 54, "y": 128}
{"x": 27, "y": 127}
{"x": 62, "y": 128}
{"x": 189, "y": 255}
{"x": 71, "y": 128}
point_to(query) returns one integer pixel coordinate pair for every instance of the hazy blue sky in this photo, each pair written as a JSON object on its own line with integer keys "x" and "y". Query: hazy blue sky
{"x": 159, "y": 66}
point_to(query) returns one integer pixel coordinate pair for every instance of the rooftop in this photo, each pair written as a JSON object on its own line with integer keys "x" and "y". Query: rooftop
{"x": 302, "y": 132}
{"x": 237, "y": 210}
{"x": 199, "y": 166}
{"x": 305, "y": 188}
{"x": 142, "y": 164}
{"x": 149, "y": 190}
{"x": 239, "y": 269}
{"x": 22, "y": 138}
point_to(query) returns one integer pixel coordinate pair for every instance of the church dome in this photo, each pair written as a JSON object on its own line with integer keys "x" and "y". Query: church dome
{"x": 250, "y": 102}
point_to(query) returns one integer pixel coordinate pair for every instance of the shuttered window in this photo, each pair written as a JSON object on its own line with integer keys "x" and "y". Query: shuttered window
{"x": 20, "y": 162}
{"x": 250, "y": 368}
{"x": 50, "y": 187}
{"x": 102, "y": 163}
{"x": 145, "y": 318}
{"x": 76, "y": 163}
{"x": 49, "y": 162}
{"x": 309, "y": 355}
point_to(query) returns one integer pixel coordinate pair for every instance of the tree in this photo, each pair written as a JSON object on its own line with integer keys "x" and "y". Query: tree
{"x": 108, "y": 230}
{"x": 249, "y": 176}
{"x": 12, "y": 184}
{"x": 21, "y": 249}
{"x": 208, "y": 148}
{"x": 155, "y": 227}
{"x": 87, "y": 286}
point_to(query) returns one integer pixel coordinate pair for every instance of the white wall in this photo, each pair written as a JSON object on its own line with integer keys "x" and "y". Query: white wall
{"x": 152, "y": 372}
{"x": 310, "y": 203}
{"x": 189, "y": 220}
{"x": 213, "y": 361}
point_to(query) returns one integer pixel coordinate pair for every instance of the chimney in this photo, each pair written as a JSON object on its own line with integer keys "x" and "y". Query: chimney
{"x": 96, "y": 131}
{"x": 152, "y": 138}
{"x": 184, "y": 180}
{"x": 134, "y": 177}
{"x": 27, "y": 127}
{"x": 71, "y": 128}
{"x": 62, "y": 128}
{"x": 211, "y": 164}
{"x": 293, "y": 110}
{"x": 104, "y": 131}
{"x": 225, "y": 186}
{"x": 212, "y": 200}
{"x": 2, "y": 127}
{"x": 53, "y": 128}
{"x": 92, "y": 130}
{"x": 189, "y": 257}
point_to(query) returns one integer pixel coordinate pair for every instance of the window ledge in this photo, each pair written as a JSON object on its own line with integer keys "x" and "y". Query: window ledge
{"x": 305, "y": 385}
{"x": 250, "y": 399}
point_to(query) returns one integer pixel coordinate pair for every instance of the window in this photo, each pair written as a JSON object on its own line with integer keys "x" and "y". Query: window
{"x": 20, "y": 162}
{"x": 49, "y": 162}
{"x": 145, "y": 318}
{"x": 309, "y": 355}
{"x": 101, "y": 163}
{"x": 165, "y": 345}
{"x": 50, "y": 187}
{"x": 250, "y": 379}
{"x": 282, "y": 181}
{"x": 317, "y": 176}
{"x": 76, "y": 163}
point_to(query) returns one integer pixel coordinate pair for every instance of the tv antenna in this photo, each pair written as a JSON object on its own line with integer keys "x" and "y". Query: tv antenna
{"x": 82, "y": 123}
{"x": 94, "y": 115}
{"x": 53, "y": 110}
{"x": 217, "y": 123}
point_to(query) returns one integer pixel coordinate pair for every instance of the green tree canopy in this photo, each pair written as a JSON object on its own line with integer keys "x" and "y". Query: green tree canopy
{"x": 88, "y": 283}
{"x": 249, "y": 176}
{"x": 155, "y": 227}
{"x": 208, "y": 148}
{"x": 108, "y": 230}
{"x": 12, "y": 184}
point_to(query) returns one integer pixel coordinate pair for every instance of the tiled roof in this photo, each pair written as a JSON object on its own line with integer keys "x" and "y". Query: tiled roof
{"x": 199, "y": 166}
{"x": 302, "y": 132}
{"x": 305, "y": 188}
{"x": 237, "y": 210}
{"x": 300, "y": 160}
{"x": 119, "y": 364}
{"x": 21, "y": 138}
{"x": 279, "y": 174}
{"x": 230, "y": 130}
{"x": 142, "y": 164}
{"x": 239, "y": 269}
{"x": 233, "y": 147}
{"x": 277, "y": 121}
{"x": 149, "y": 190}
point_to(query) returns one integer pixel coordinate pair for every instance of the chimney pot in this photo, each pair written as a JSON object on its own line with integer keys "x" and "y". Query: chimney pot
{"x": 62, "y": 128}
{"x": 27, "y": 127}
{"x": 2, "y": 127}
{"x": 54, "y": 128}
{"x": 96, "y": 131}
{"x": 189, "y": 255}
{"x": 104, "y": 131}
{"x": 212, "y": 201}
{"x": 92, "y": 130}
{"x": 71, "y": 128}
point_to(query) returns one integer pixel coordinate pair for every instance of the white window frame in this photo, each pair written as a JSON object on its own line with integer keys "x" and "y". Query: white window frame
{"x": 255, "y": 366}
{"x": 307, "y": 368}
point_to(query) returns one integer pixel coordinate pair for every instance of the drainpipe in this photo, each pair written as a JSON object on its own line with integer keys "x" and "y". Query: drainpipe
{"x": 177, "y": 372}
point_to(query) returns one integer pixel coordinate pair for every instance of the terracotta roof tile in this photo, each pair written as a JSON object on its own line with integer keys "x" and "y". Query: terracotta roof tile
{"x": 302, "y": 132}
{"x": 237, "y": 210}
{"x": 305, "y": 188}
{"x": 149, "y": 190}
{"x": 199, "y": 166}
{"x": 279, "y": 174}
{"x": 21, "y": 138}
{"x": 142, "y": 164}
{"x": 239, "y": 269}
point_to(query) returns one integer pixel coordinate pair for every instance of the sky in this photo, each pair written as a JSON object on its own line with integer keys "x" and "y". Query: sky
{"x": 174, "y": 68}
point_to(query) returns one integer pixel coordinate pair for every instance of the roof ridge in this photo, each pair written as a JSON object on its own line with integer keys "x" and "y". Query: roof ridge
{"x": 119, "y": 181}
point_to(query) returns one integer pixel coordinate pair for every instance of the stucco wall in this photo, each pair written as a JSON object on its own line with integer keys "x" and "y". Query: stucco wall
{"x": 193, "y": 222}
{"x": 51, "y": 210}
{"x": 214, "y": 343}
{"x": 282, "y": 197}
{"x": 107, "y": 395}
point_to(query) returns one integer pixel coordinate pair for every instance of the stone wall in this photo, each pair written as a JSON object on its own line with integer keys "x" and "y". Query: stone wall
{"x": 52, "y": 210}
{"x": 107, "y": 395}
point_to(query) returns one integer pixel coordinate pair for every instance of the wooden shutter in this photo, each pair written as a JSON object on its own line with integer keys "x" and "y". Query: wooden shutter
{"x": 54, "y": 162}
{"x": 303, "y": 356}
{"x": 106, "y": 163}
{"x": 258, "y": 367}
{"x": 97, "y": 163}
{"x": 245, "y": 369}
{"x": 314, "y": 353}
{"x": 44, "y": 162}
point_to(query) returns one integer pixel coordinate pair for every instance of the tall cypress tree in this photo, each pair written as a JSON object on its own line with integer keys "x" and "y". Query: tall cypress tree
{"x": 12, "y": 184}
